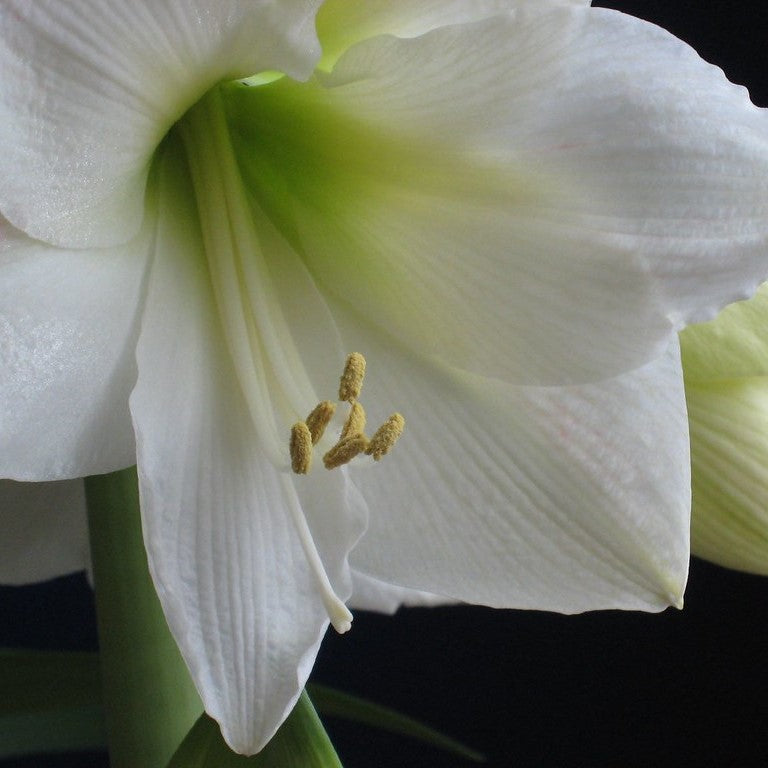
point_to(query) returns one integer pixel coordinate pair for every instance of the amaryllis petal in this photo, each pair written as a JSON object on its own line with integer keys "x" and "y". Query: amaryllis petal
{"x": 43, "y": 530}
{"x": 116, "y": 76}
{"x": 599, "y": 185}
{"x": 370, "y": 594}
{"x": 220, "y": 520}
{"x": 565, "y": 499}
{"x": 68, "y": 330}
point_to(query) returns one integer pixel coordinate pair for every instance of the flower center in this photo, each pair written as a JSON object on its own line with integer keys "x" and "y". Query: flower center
{"x": 352, "y": 440}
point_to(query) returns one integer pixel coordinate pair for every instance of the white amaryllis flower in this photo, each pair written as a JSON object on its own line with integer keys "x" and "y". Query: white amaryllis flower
{"x": 508, "y": 207}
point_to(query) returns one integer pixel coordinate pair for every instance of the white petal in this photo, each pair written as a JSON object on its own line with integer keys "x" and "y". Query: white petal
{"x": 679, "y": 170}
{"x": 68, "y": 329}
{"x": 566, "y": 499}
{"x": 585, "y": 173}
{"x": 729, "y": 455}
{"x": 231, "y": 574}
{"x": 44, "y": 530}
{"x": 90, "y": 87}
{"x": 369, "y": 594}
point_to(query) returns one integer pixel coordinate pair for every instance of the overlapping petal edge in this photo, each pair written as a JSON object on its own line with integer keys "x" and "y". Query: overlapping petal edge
{"x": 567, "y": 498}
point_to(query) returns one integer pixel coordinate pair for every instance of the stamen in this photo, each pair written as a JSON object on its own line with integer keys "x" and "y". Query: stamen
{"x": 385, "y": 436}
{"x": 352, "y": 379}
{"x": 352, "y": 440}
{"x": 338, "y": 613}
{"x": 300, "y": 448}
{"x": 344, "y": 451}
{"x": 319, "y": 419}
{"x": 355, "y": 423}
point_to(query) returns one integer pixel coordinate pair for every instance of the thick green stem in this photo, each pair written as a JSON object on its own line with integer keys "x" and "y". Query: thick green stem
{"x": 150, "y": 700}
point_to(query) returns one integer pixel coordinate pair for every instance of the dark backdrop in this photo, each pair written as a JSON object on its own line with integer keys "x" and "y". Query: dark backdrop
{"x": 537, "y": 690}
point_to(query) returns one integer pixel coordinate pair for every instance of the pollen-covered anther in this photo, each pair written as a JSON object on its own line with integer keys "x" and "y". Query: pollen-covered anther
{"x": 345, "y": 450}
{"x": 300, "y": 448}
{"x": 355, "y": 423}
{"x": 352, "y": 379}
{"x": 319, "y": 419}
{"x": 386, "y": 436}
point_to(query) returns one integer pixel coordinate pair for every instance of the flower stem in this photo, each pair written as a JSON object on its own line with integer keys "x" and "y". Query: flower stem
{"x": 150, "y": 700}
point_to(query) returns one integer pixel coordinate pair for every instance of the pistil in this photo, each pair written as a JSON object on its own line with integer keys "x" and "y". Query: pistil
{"x": 338, "y": 613}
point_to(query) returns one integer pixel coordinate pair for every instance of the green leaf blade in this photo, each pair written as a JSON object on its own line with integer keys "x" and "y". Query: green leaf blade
{"x": 334, "y": 703}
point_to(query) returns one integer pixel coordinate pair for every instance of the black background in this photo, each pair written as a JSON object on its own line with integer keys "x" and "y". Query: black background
{"x": 536, "y": 690}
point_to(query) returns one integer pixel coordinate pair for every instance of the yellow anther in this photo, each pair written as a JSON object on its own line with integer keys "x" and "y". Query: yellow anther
{"x": 352, "y": 440}
{"x": 345, "y": 450}
{"x": 352, "y": 379}
{"x": 318, "y": 420}
{"x": 301, "y": 448}
{"x": 386, "y": 436}
{"x": 355, "y": 423}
